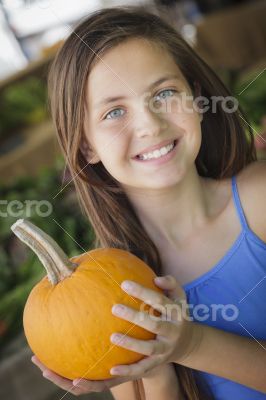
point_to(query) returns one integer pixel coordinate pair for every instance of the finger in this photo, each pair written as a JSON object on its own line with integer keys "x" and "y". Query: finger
{"x": 63, "y": 383}
{"x": 58, "y": 380}
{"x": 178, "y": 295}
{"x": 78, "y": 386}
{"x": 174, "y": 289}
{"x": 145, "y": 320}
{"x": 38, "y": 363}
{"x": 146, "y": 347}
{"x": 166, "y": 282}
{"x": 87, "y": 386}
{"x": 158, "y": 301}
{"x": 137, "y": 369}
{"x": 98, "y": 386}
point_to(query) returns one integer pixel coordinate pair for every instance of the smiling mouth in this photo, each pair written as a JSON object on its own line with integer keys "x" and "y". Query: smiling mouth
{"x": 153, "y": 155}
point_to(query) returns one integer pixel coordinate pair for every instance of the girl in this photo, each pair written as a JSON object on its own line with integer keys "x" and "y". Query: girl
{"x": 123, "y": 86}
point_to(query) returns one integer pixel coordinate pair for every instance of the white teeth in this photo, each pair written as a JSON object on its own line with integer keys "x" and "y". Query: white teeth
{"x": 157, "y": 153}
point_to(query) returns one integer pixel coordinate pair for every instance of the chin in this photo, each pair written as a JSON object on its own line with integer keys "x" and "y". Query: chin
{"x": 161, "y": 184}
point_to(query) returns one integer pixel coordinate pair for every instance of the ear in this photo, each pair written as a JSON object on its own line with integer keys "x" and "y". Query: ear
{"x": 90, "y": 155}
{"x": 197, "y": 93}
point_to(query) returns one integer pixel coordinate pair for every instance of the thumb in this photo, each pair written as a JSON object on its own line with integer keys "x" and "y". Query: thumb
{"x": 171, "y": 285}
{"x": 167, "y": 282}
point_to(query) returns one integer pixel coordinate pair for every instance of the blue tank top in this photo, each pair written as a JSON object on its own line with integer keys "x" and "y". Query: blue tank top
{"x": 232, "y": 297}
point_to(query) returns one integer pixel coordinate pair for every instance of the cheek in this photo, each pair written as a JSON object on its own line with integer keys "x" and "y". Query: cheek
{"x": 182, "y": 110}
{"x": 193, "y": 128}
{"x": 187, "y": 124}
{"x": 113, "y": 147}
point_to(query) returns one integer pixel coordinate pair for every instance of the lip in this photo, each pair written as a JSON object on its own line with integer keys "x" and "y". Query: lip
{"x": 161, "y": 160}
{"x": 155, "y": 147}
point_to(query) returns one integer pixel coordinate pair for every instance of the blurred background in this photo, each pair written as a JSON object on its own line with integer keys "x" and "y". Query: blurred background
{"x": 229, "y": 35}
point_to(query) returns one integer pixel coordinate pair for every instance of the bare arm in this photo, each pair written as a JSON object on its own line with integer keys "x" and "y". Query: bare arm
{"x": 162, "y": 384}
{"x": 201, "y": 347}
{"x": 238, "y": 358}
{"x": 125, "y": 391}
{"x": 163, "y": 387}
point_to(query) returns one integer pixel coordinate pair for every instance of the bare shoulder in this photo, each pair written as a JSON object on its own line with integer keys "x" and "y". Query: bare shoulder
{"x": 254, "y": 174}
{"x": 251, "y": 182}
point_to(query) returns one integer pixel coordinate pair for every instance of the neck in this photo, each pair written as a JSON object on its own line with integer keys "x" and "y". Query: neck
{"x": 174, "y": 214}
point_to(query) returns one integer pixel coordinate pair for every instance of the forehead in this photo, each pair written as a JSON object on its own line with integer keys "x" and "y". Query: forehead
{"x": 128, "y": 66}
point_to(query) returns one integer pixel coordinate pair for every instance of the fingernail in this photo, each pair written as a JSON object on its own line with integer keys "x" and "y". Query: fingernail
{"x": 115, "y": 371}
{"x": 115, "y": 338}
{"x": 76, "y": 382}
{"x": 45, "y": 374}
{"x": 126, "y": 285}
{"x": 118, "y": 309}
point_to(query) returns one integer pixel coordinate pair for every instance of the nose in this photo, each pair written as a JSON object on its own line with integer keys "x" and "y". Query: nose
{"x": 149, "y": 123}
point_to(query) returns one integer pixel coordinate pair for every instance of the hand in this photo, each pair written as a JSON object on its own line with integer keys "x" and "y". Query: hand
{"x": 78, "y": 386}
{"x": 177, "y": 335}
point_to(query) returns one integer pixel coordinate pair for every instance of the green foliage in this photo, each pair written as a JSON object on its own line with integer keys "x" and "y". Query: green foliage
{"x": 20, "y": 268}
{"x": 22, "y": 104}
{"x": 253, "y": 98}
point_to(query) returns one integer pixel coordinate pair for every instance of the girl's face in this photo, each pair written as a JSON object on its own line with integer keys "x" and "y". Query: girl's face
{"x": 141, "y": 114}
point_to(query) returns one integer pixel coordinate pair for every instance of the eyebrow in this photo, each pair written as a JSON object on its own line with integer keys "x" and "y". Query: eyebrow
{"x": 108, "y": 100}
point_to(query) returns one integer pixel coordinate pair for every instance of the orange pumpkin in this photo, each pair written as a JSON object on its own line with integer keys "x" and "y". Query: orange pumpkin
{"x": 67, "y": 317}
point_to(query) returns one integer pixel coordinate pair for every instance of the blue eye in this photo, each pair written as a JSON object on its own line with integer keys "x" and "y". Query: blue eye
{"x": 163, "y": 91}
{"x": 110, "y": 113}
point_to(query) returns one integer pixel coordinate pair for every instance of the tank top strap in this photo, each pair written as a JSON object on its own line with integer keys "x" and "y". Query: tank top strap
{"x": 238, "y": 204}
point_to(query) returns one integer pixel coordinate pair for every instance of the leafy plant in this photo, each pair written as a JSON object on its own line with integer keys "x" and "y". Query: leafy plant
{"x": 22, "y": 104}
{"x": 19, "y": 268}
{"x": 253, "y": 97}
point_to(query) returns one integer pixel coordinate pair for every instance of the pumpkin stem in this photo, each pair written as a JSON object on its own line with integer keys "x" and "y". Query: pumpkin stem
{"x": 55, "y": 261}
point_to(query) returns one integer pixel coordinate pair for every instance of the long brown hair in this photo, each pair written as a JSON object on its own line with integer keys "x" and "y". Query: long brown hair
{"x": 226, "y": 147}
